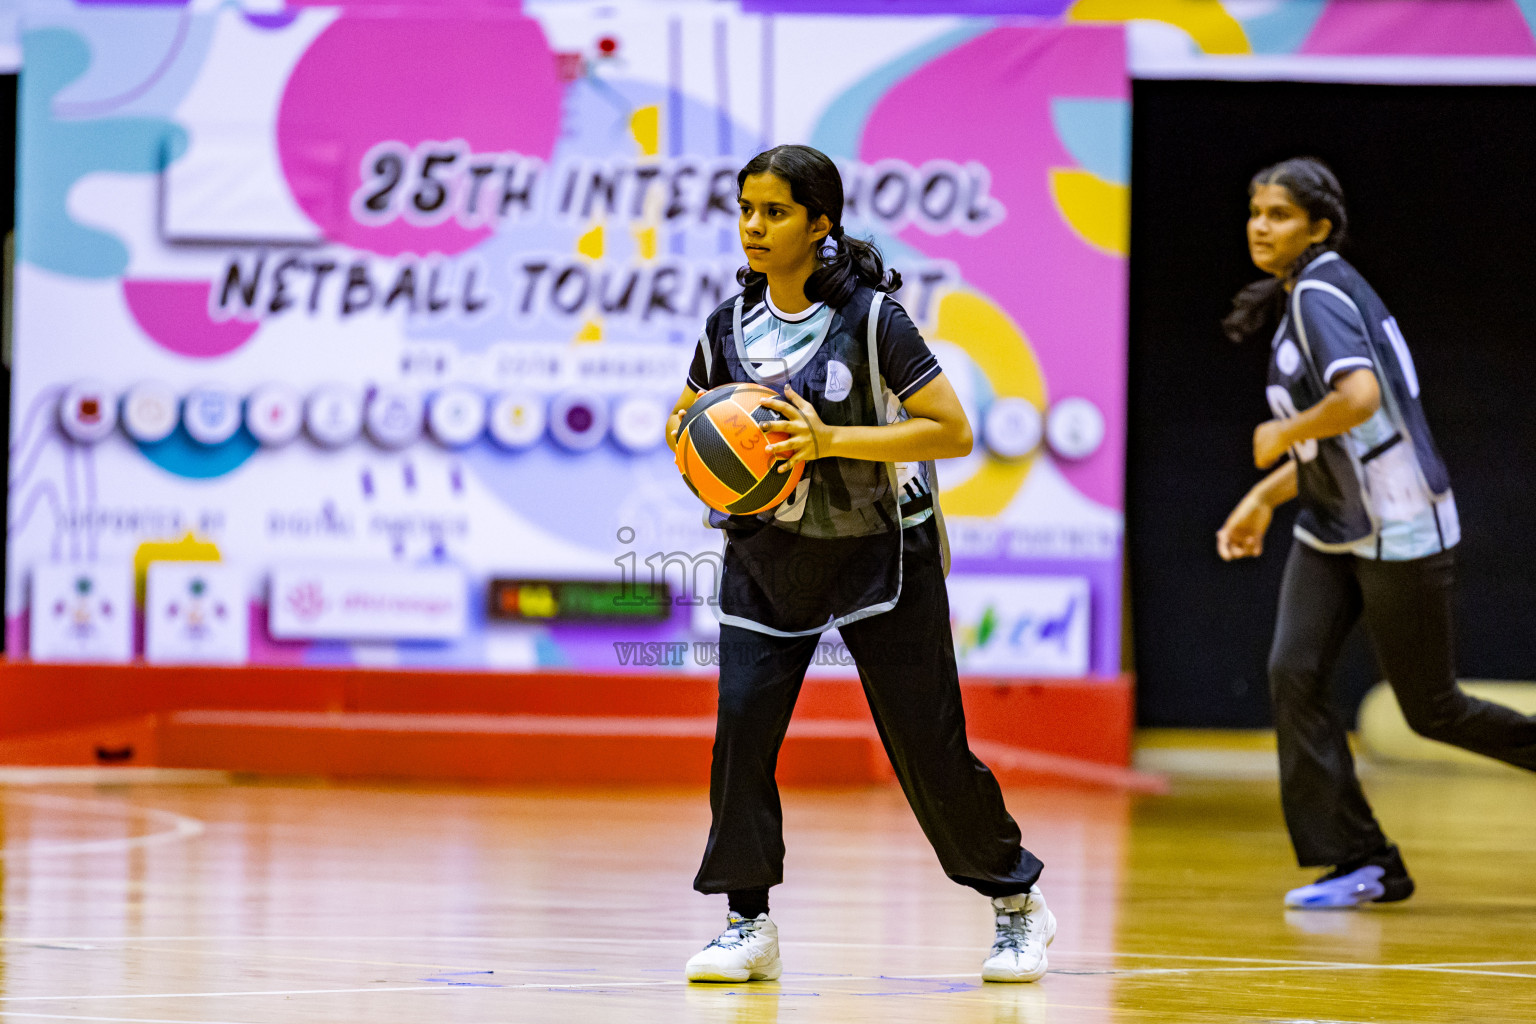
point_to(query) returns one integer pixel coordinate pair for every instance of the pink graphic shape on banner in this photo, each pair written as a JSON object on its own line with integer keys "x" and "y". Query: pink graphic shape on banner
{"x": 175, "y": 316}
{"x": 267, "y": 651}
{"x": 1068, "y": 297}
{"x": 494, "y": 7}
{"x": 1422, "y": 28}
{"x": 411, "y": 79}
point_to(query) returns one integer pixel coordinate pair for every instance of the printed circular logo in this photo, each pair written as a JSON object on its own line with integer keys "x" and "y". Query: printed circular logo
{"x": 578, "y": 421}
{"x": 149, "y": 411}
{"x": 88, "y": 412}
{"x": 1012, "y": 428}
{"x": 211, "y": 415}
{"x": 1075, "y": 428}
{"x": 394, "y": 417}
{"x": 333, "y": 416}
{"x": 274, "y": 415}
{"x": 517, "y": 420}
{"x": 1288, "y": 357}
{"x": 839, "y": 381}
{"x": 638, "y": 424}
{"x": 456, "y": 416}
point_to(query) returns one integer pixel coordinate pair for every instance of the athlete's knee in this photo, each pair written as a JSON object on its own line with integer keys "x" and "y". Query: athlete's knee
{"x": 736, "y": 704}
{"x": 746, "y": 700}
{"x": 1292, "y": 677}
{"x": 1436, "y": 719}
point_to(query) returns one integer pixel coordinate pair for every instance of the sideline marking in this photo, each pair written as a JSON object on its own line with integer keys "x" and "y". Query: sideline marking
{"x": 1451, "y": 966}
{"x": 574, "y": 986}
{"x": 120, "y": 1020}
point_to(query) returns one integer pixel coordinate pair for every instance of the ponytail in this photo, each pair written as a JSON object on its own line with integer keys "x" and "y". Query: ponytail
{"x": 846, "y": 261}
{"x": 845, "y": 264}
{"x": 1257, "y": 309}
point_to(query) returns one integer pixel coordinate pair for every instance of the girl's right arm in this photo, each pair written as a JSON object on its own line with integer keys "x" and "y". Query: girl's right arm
{"x": 1242, "y": 535}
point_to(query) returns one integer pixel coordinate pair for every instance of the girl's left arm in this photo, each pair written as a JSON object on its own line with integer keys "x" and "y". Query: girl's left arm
{"x": 937, "y": 428}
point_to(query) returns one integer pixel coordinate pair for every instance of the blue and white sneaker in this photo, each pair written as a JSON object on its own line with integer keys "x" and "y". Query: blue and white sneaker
{"x": 1380, "y": 878}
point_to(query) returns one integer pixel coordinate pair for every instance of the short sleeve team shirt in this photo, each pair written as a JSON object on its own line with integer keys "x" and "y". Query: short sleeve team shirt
{"x": 779, "y": 344}
{"x": 1366, "y": 491}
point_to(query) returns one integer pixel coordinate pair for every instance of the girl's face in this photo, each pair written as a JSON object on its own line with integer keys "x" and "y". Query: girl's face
{"x": 777, "y": 233}
{"x": 1279, "y": 230}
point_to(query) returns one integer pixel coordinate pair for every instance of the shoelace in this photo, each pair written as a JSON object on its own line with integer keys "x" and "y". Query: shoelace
{"x": 1012, "y": 931}
{"x": 734, "y": 935}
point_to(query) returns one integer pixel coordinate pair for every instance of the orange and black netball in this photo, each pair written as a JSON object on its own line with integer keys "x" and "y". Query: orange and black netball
{"x": 722, "y": 451}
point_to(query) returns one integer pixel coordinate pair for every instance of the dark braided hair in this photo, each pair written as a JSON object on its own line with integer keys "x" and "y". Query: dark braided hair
{"x": 1256, "y": 310}
{"x": 814, "y": 183}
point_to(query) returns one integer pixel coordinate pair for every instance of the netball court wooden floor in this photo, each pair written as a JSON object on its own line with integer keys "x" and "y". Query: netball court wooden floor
{"x": 211, "y": 900}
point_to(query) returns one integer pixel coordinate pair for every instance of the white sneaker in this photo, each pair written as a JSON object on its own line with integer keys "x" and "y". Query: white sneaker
{"x": 1025, "y": 926}
{"x": 748, "y": 950}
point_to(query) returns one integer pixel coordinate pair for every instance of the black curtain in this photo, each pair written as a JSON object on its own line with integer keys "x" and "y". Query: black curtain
{"x": 1442, "y": 207}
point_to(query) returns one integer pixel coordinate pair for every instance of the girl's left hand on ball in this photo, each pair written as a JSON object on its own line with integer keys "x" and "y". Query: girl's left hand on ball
{"x": 674, "y": 427}
{"x": 809, "y": 437}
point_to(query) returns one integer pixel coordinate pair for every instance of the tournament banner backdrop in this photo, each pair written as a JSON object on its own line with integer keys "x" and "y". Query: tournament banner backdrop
{"x": 375, "y": 313}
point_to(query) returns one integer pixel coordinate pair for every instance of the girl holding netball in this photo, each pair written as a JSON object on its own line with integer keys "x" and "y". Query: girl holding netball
{"x": 857, "y": 546}
{"x": 1375, "y": 534}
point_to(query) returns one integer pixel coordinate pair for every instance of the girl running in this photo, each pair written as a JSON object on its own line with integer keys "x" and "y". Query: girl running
{"x": 1375, "y": 534}
{"x": 858, "y": 547}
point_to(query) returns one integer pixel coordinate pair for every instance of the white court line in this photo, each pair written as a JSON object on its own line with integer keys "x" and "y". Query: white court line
{"x": 181, "y": 826}
{"x": 1252, "y": 964}
{"x": 1451, "y": 965}
{"x": 1432, "y": 968}
{"x": 225, "y": 995}
{"x": 119, "y": 1020}
{"x": 236, "y": 954}
{"x": 821, "y": 980}
{"x": 606, "y": 939}
{"x": 443, "y": 987}
{"x": 117, "y": 775}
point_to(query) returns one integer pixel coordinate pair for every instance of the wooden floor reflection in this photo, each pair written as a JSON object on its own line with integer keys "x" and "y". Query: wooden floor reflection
{"x": 265, "y": 903}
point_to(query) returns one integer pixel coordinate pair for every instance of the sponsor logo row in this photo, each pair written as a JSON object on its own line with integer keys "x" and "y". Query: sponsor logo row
{"x": 335, "y": 415}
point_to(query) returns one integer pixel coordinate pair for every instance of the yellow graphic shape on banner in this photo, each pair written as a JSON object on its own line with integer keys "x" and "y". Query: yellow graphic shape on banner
{"x": 645, "y": 125}
{"x": 1098, "y": 211}
{"x": 590, "y": 244}
{"x": 1207, "y": 22}
{"x": 645, "y": 241}
{"x": 187, "y": 549}
{"x": 1001, "y": 352}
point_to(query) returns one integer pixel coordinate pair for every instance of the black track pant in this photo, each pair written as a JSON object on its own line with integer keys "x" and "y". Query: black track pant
{"x": 1407, "y": 609}
{"x": 906, "y": 661}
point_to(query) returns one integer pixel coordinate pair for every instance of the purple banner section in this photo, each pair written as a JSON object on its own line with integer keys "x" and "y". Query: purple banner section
{"x": 955, "y": 8}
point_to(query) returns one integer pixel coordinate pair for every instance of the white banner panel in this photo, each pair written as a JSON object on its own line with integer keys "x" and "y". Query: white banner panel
{"x": 1031, "y": 625}
{"x": 82, "y": 612}
{"x": 368, "y": 603}
{"x": 196, "y": 613}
